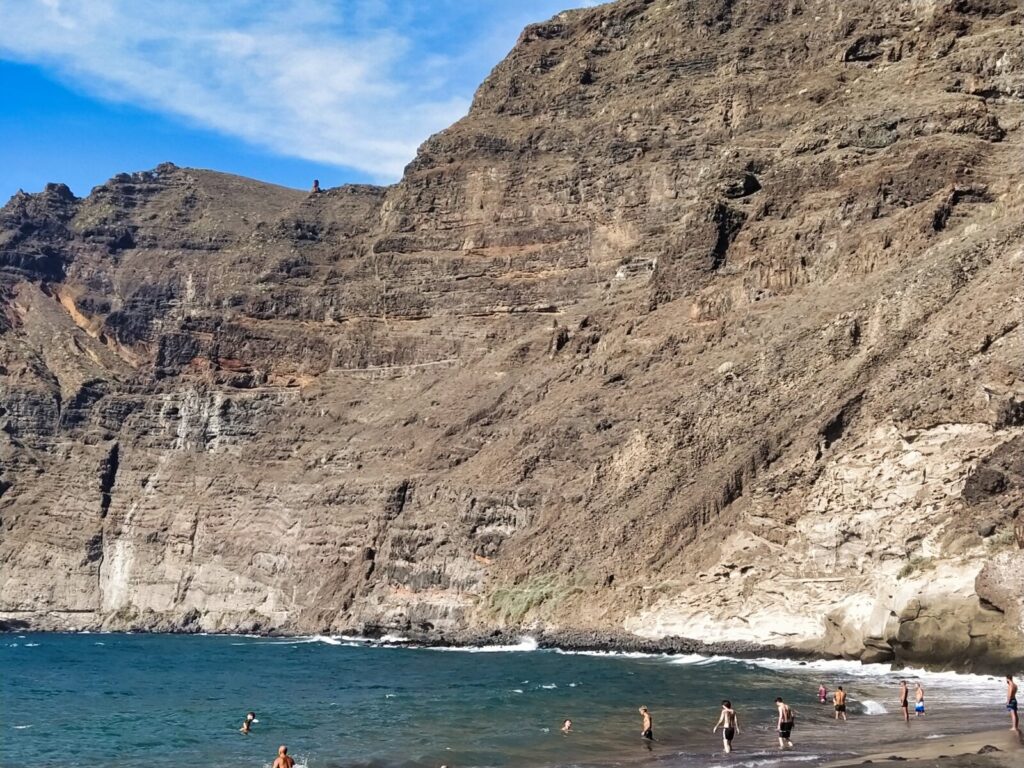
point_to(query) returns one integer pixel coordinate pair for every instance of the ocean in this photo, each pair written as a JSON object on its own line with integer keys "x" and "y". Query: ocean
{"x": 172, "y": 700}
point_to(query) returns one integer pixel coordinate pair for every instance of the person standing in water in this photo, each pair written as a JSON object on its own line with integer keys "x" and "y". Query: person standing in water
{"x": 1011, "y": 703}
{"x": 284, "y": 760}
{"x": 905, "y": 700}
{"x": 785, "y": 724}
{"x": 822, "y": 694}
{"x": 250, "y": 718}
{"x": 647, "y": 729}
{"x": 729, "y": 723}
{"x": 919, "y": 701}
{"x": 839, "y": 700}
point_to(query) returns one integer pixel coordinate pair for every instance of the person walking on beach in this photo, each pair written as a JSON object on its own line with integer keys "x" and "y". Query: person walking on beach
{"x": 1011, "y": 703}
{"x": 919, "y": 701}
{"x": 785, "y": 724}
{"x": 905, "y": 700}
{"x": 840, "y": 702}
{"x": 822, "y": 694}
{"x": 647, "y": 729}
{"x": 284, "y": 760}
{"x": 250, "y": 718}
{"x": 729, "y": 723}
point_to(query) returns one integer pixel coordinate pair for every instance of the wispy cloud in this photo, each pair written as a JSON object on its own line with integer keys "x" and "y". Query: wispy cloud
{"x": 354, "y": 83}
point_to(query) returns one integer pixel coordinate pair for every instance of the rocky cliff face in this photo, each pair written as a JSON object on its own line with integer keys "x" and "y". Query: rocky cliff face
{"x": 704, "y": 323}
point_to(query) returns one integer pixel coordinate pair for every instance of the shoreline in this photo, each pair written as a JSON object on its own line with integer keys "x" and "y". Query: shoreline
{"x": 991, "y": 747}
{"x": 568, "y": 641}
{"x": 960, "y": 724}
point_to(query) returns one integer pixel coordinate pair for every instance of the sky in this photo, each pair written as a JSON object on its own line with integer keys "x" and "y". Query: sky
{"x": 280, "y": 90}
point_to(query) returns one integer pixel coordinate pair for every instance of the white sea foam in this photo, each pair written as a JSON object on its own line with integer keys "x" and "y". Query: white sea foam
{"x": 873, "y": 707}
{"x": 549, "y": 686}
{"x": 21, "y": 727}
{"x": 855, "y": 669}
{"x": 767, "y": 760}
{"x": 616, "y": 654}
{"x": 517, "y": 690}
{"x": 394, "y": 639}
{"x": 525, "y": 643}
{"x": 698, "y": 659}
{"x": 99, "y": 643}
{"x": 31, "y": 645}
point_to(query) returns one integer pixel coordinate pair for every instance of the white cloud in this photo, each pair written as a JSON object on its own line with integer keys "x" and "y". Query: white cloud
{"x": 306, "y": 78}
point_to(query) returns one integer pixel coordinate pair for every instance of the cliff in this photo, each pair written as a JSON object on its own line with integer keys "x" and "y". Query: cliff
{"x": 704, "y": 323}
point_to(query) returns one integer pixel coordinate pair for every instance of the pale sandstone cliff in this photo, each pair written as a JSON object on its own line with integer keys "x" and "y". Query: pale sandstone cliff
{"x": 704, "y": 323}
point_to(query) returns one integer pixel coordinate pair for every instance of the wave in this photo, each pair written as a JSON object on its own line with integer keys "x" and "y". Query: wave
{"x": 698, "y": 659}
{"x": 21, "y": 727}
{"x": 836, "y": 667}
{"x": 764, "y": 758}
{"x": 524, "y": 645}
{"x": 615, "y": 654}
{"x": 873, "y": 708}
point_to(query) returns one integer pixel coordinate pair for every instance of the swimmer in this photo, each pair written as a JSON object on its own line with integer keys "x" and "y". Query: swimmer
{"x": 250, "y": 718}
{"x": 567, "y": 726}
{"x": 284, "y": 760}
{"x": 919, "y": 701}
{"x": 729, "y": 723}
{"x": 647, "y": 729}
{"x": 1011, "y": 703}
{"x": 839, "y": 699}
{"x": 786, "y": 722}
{"x": 905, "y": 700}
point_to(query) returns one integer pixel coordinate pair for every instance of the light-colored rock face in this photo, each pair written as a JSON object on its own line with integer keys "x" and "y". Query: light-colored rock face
{"x": 705, "y": 321}
{"x": 848, "y": 577}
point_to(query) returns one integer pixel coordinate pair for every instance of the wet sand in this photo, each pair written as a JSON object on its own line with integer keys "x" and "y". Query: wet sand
{"x": 983, "y": 749}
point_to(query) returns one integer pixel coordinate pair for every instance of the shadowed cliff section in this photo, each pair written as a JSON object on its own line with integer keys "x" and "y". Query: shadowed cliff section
{"x": 730, "y": 288}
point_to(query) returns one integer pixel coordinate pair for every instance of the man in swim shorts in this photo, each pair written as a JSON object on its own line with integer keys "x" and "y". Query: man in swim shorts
{"x": 919, "y": 701}
{"x": 729, "y": 723}
{"x": 839, "y": 699}
{"x": 905, "y": 700}
{"x": 1011, "y": 703}
{"x": 647, "y": 730}
{"x": 786, "y": 722}
{"x": 284, "y": 760}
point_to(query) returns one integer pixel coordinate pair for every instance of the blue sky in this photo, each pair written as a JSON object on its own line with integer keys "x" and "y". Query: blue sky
{"x": 279, "y": 90}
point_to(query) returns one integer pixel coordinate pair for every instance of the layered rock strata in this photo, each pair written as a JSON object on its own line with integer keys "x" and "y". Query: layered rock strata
{"x": 705, "y": 323}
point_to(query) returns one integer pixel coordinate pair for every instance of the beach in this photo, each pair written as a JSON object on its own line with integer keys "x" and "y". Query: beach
{"x": 982, "y": 749}
{"x": 338, "y": 702}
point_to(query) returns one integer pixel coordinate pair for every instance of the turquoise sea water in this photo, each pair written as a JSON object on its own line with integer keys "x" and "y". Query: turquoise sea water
{"x": 162, "y": 700}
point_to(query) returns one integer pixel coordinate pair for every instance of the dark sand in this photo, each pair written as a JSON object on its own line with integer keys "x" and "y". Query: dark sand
{"x": 984, "y": 749}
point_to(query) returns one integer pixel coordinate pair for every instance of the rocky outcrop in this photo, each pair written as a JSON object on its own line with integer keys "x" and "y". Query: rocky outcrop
{"x": 704, "y": 325}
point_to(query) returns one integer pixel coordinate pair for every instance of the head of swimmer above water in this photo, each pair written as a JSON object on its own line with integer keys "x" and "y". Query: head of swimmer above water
{"x": 282, "y": 750}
